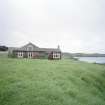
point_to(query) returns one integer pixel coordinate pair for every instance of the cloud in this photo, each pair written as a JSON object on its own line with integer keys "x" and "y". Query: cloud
{"x": 76, "y": 25}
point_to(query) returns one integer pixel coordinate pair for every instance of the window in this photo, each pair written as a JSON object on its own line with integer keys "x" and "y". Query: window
{"x": 20, "y": 54}
{"x": 29, "y": 48}
{"x": 30, "y": 55}
{"x": 56, "y": 55}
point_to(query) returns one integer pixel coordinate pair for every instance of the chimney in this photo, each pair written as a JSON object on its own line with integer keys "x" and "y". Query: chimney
{"x": 58, "y": 47}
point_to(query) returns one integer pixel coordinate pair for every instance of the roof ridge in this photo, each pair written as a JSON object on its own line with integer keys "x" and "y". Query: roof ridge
{"x": 29, "y": 44}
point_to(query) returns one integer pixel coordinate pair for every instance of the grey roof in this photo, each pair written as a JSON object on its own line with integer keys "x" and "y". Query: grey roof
{"x": 50, "y": 49}
{"x": 36, "y": 48}
{"x": 29, "y": 44}
{"x": 24, "y": 48}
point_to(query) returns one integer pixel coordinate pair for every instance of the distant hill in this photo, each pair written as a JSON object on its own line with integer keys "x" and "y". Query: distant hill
{"x": 71, "y": 55}
{"x": 66, "y": 55}
{"x": 3, "y": 48}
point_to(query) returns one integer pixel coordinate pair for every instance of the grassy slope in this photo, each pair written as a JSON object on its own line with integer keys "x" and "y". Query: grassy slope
{"x": 44, "y": 82}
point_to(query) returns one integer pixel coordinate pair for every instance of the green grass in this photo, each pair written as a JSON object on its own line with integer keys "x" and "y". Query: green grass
{"x": 45, "y": 82}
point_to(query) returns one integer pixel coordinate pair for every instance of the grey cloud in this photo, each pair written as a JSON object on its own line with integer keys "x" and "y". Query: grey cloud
{"x": 77, "y": 25}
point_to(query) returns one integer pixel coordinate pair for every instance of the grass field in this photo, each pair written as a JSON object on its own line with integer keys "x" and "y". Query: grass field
{"x": 45, "y": 82}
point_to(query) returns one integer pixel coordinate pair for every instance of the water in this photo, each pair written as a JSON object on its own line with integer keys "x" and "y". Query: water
{"x": 100, "y": 60}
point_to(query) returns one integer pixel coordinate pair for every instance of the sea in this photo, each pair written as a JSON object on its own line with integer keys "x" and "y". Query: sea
{"x": 99, "y": 60}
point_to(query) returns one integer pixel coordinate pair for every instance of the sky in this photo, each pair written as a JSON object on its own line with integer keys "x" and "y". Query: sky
{"x": 78, "y": 26}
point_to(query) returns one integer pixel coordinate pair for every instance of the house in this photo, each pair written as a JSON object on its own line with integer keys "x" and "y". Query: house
{"x": 32, "y": 51}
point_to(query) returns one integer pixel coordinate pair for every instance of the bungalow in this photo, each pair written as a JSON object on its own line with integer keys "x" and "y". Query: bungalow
{"x": 32, "y": 51}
